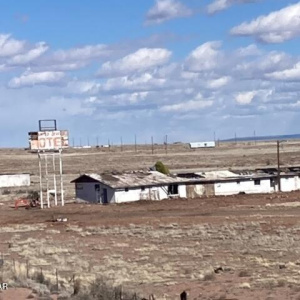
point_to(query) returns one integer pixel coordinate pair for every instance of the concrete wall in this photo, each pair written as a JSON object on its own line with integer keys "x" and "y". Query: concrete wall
{"x": 290, "y": 184}
{"x": 248, "y": 187}
{"x": 14, "y": 180}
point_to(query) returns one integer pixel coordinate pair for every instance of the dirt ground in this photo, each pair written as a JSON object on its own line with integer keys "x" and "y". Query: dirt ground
{"x": 236, "y": 247}
{"x": 166, "y": 247}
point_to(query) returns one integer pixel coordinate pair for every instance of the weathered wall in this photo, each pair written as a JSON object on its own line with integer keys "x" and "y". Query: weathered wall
{"x": 290, "y": 184}
{"x": 86, "y": 191}
{"x": 199, "y": 190}
{"x": 248, "y": 187}
{"x": 14, "y": 180}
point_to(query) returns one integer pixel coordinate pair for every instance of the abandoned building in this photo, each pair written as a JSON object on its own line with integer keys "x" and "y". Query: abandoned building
{"x": 152, "y": 185}
{"x": 222, "y": 183}
{"x": 128, "y": 187}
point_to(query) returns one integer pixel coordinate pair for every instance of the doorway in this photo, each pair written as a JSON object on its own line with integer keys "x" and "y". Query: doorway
{"x": 104, "y": 196}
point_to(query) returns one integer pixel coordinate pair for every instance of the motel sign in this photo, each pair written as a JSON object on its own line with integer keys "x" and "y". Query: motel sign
{"x": 49, "y": 140}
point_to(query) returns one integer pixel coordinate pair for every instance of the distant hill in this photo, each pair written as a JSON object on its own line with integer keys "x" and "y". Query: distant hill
{"x": 264, "y": 138}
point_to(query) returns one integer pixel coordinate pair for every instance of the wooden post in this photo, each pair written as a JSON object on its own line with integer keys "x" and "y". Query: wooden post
{"x": 183, "y": 296}
{"x": 41, "y": 181}
{"x": 47, "y": 179}
{"x": 54, "y": 181}
{"x": 278, "y": 167}
{"x": 56, "y": 275}
{"x": 61, "y": 178}
{"x": 27, "y": 268}
{"x": 152, "y": 146}
{"x": 166, "y": 144}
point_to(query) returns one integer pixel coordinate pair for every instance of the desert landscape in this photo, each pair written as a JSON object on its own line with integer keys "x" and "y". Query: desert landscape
{"x": 234, "y": 247}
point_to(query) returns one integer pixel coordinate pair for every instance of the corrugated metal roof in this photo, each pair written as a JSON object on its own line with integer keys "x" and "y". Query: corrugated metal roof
{"x": 134, "y": 179}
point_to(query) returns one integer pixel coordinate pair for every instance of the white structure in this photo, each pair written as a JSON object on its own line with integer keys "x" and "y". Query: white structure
{"x": 222, "y": 183}
{"x": 134, "y": 186}
{"x": 202, "y": 145}
{"x": 14, "y": 180}
{"x": 128, "y": 187}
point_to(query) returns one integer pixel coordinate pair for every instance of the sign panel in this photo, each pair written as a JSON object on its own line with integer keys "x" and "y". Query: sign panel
{"x": 49, "y": 140}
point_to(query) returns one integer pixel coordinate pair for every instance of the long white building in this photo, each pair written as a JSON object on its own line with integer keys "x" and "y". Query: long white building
{"x": 135, "y": 186}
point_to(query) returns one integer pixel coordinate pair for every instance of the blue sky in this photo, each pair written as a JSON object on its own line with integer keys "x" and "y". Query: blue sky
{"x": 117, "y": 68}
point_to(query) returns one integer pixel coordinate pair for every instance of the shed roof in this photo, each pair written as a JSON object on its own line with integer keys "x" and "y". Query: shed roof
{"x": 132, "y": 179}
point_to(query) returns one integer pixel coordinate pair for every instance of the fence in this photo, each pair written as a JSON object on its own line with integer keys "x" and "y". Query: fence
{"x": 21, "y": 273}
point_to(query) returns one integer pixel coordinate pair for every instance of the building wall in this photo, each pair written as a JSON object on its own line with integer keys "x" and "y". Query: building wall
{"x": 87, "y": 191}
{"x": 248, "y": 187}
{"x": 290, "y": 184}
{"x": 151, "y": 193}
{"x": 199, "y": 190}
{"x": 14, "y": 180}
{"x": 136, "y": 194}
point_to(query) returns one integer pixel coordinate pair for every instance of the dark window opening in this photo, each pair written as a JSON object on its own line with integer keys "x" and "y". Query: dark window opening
{"x": 256, "y": 182}
{"x": 272, "y": 182}
{"x": 97, "y": 187}
{"x": 79, "y": 186}
{"x": 173, "y": 189}
{"x": 238, "y": 182}
{"x": 126, "y": 189}
{"x": 142, "y": 188}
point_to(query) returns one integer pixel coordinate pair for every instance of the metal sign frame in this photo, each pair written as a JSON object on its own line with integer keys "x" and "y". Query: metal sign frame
{"x": 47, "y": 172}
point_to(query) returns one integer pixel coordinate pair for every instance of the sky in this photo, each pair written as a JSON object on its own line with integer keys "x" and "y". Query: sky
{"x": 189, "y": 69}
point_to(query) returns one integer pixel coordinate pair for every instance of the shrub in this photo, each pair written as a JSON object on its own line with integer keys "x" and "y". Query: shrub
{"x": 244, "y": 273}
{"x": 99, "y": 289}
{"x": 160, "y": 167}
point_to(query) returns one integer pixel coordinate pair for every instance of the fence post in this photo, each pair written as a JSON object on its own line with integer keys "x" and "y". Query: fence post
{"x": 27, "y": 268}
{"x": 56, "y": 275}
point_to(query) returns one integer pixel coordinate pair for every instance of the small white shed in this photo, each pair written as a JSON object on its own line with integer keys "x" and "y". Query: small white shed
{"x": 14, "y": 180}
{"x": 203, "y": 145}
{"x": 128, "y": 187}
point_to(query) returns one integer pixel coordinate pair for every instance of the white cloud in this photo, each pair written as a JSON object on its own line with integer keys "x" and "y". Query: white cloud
{"x": 29, "y": 56}
{"x": 251, "y": 50}
{"x": 205, "y": 57}
{"x": 141, "y": 60}
{"x": 219, "y": 5}
{"x": 165, "y": 10}
{"x": 292, "y": 74}
{"x": 10, "y": 46}
{"x": 218, "y": 83}
{"x": 81, "y": 53}
{"x": 131, "y": 97}
{"x": 41, "y": 78}
{"x": 144, "y": 82}
{"x": 83, "y": 87}
{"x": 245, "y": 97}
{"x": 277, "y": 27}
{"x": 196, "y": 104}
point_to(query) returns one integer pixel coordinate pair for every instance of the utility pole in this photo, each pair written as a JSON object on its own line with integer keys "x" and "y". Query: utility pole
{"x": 135, "y": 143}
{"x": 152, "y": 148}
{"x": 166, "y": 143}
{"x": 278, "y": 167}
{"x": 121, "y": 144}
{"x": 214, "y": 136}
{"x": 97, "y": 141}
{"x": 235, "y": 138}
{"x": 254, "y": 138}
